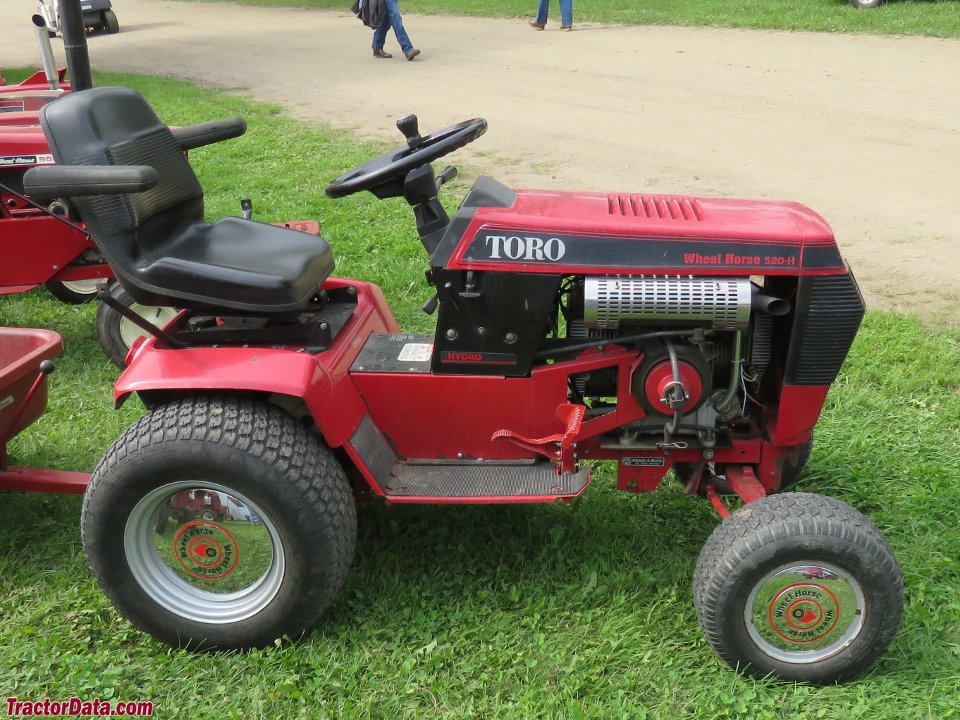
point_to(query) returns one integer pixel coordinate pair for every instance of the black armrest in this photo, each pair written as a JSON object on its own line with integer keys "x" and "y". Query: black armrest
{"x": 50, "y": 181}
{"x": 194, "y": 136}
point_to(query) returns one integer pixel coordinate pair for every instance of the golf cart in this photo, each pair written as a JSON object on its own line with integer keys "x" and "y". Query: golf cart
{"x": 97, "y": 15}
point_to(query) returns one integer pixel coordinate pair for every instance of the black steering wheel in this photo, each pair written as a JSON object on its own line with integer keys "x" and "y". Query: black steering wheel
{"x": 383, "y": 176}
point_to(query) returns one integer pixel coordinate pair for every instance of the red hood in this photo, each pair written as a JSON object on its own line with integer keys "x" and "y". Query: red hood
{"x": 555, "y": 231}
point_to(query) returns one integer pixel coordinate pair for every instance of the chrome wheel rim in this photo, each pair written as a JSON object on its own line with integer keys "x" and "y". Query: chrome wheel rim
{"x": 805, "y": 612}
{"x": 159, "y": 316}
{"x": 202, "y": 570}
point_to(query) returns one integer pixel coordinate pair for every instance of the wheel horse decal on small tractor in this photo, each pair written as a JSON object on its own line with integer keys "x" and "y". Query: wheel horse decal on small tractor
{"x": 660, "y": 332}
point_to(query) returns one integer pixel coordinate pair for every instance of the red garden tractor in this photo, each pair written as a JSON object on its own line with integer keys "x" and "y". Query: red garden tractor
{"x": 655, "y": 332}
{"x": 47, "y": 244}
{"x": 38, "y": 246}
{"x": 41, "y": 244}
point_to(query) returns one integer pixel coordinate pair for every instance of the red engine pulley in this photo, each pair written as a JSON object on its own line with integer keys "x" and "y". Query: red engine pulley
{"x": 653, "y": 378}
{"x": 660, "y": 378}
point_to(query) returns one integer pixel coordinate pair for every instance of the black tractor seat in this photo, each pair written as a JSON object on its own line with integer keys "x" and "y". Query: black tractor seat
{"x": 129, "y": 179}
{"x": 240, "y": 264}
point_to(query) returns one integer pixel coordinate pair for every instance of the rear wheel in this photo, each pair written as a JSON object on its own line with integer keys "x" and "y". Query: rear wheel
{"x": 74, "y": 292}
{"x": 116, "y": 334}
{"x": 800, "y": 586}
{"x": 220, "y": 584}
{"x": 110, "y": 22}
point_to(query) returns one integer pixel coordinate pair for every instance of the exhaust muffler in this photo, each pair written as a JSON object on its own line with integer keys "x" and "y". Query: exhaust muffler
{"x": 46, "y": 51}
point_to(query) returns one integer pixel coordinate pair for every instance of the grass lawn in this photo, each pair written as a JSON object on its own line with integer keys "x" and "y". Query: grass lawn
{"x": 937, "y": 18}
{"x": 543, "y": 611}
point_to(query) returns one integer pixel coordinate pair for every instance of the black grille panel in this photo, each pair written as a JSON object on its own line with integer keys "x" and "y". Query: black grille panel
{"x": 829, "y": 311}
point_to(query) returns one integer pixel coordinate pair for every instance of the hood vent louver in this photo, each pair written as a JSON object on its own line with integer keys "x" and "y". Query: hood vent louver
{"x": 661, "y": 207}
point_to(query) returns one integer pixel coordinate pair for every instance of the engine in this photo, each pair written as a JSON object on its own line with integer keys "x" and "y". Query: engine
{"x": 704, "y": 341}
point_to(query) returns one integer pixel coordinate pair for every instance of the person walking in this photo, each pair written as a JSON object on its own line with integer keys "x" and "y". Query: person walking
{"x": 566, "y": 15}
{"x": 391, "y": 18}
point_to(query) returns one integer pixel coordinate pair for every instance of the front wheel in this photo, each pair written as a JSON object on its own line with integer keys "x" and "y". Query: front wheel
{"x": 799, "y": 586}
{"x": 866, "y": 4}
{"x": 219, "y": 584}
{"x": 116, "y": 334}
{"x": 74, "y": 292}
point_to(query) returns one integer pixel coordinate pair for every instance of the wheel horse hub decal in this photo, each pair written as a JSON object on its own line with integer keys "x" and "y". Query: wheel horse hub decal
{"x": 798, "y": 613}
{"x": 805, "y": 613}
{"x": 206, "y": 550}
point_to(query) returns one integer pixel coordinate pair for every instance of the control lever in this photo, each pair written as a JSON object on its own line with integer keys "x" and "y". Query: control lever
{"x": 470, "y": 287}
{"x": 448, "y": 174}
{"x": 430, "y": 306}
{"x": 408, "y": 126}
{"x": 246, "y": 207}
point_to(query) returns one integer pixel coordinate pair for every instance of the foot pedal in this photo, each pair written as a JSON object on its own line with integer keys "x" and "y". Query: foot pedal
{"x": 483, "y": 483}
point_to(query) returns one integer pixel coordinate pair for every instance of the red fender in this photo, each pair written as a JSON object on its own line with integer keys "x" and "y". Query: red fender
{"x": 322, "y": 380}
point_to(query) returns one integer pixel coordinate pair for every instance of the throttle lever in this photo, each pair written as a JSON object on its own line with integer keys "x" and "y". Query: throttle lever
{"x": 448, "y": 174}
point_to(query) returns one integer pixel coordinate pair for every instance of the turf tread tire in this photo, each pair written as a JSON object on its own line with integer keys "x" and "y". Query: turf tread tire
{"x": 107, "y": 323}
{"x": 305, "y": 477}
{"x": 766, "y": 533}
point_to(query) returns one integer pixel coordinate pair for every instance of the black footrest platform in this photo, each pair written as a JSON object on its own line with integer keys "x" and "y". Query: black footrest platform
{"x": 488, "y": 482}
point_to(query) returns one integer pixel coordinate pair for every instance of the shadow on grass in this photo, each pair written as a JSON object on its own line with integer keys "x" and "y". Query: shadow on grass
{"x": 428, "y": 560}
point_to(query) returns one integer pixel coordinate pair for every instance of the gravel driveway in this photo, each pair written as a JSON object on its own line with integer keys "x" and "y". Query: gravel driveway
{"x": 862, "y": 129}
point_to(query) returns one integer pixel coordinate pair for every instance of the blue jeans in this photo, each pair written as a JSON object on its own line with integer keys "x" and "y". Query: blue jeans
{"x": 392, "y": 17}
{"x": 543, "y": 6}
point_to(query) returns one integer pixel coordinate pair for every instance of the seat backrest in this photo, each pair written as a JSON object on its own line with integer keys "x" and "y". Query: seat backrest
{"x": 116, "y": 126}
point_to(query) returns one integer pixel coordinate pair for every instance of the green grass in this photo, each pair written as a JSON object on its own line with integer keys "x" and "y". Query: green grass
{"x": 940, "y": 18}
{"x": 543, "y": 611}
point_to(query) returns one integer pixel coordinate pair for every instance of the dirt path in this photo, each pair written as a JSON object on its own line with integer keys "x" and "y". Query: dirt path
{"x": 862, "y": 129}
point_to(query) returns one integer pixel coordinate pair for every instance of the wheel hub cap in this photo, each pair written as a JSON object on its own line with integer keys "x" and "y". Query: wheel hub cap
{"x": 204, "y": 552}
{"x": 801, "y": 613}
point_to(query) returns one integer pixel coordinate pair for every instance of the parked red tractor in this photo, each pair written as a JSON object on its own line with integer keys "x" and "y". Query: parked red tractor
{"x": 41, "y": 245}
{"x": 657, "y": 332}
{"x": 38, "y": 247}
